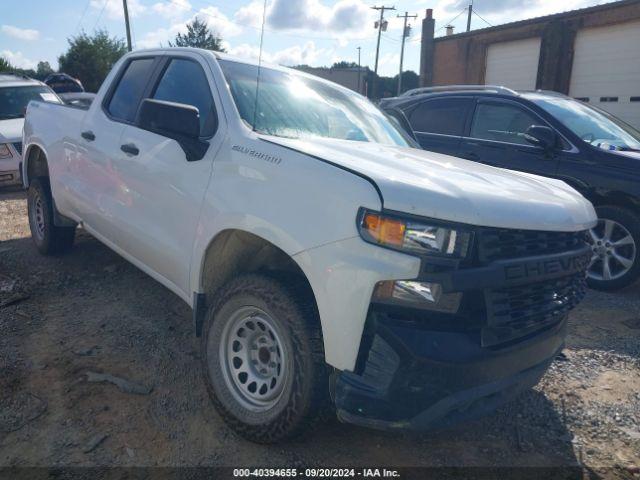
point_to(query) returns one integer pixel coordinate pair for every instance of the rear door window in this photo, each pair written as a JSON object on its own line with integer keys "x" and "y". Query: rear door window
{"x": 123, "y": 104}
{"x": 502, "y": 122}
{"x": 445, "y": 116}
{"x": 184, "y": 81}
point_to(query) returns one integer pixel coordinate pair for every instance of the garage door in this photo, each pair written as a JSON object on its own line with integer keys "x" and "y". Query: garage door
{"x": 513, "y": 64}
{"x": 606, "y": 69}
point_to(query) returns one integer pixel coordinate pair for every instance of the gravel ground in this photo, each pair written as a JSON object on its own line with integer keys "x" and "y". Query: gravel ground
{"x": 66, "y": 321}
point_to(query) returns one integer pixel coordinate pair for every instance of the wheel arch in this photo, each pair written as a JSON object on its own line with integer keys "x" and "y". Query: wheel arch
{"x": 235, "y": 251}
{"x": 35, "y": 163}
{"x": 615, "y": 199}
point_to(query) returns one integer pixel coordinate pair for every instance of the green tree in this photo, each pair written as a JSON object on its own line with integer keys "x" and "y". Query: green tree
{"x": 5, "y": 66}
{"x": 198, "y": 35}
{"x": 90, "y": 58}
{"x": 43, "y": 70}
{"x": 344, "y": 64}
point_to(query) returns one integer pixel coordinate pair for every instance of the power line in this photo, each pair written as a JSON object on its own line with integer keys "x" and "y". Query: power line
{"x": 84, "y": 12}
{"x": 481, "y": 18}
{"x": 452, "y": 20}
{"x": 100, "y": 15}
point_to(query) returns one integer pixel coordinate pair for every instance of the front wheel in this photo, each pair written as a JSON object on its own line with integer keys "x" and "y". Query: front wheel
{"x": 263, "y": 360}
{"x": 49, "y": 238}
{"x": 615, "y": 239}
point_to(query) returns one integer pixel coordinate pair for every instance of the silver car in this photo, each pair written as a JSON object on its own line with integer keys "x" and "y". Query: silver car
{"x": 16, "y": 91}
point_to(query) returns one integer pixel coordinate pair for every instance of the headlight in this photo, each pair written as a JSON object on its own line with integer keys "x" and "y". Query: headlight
{"x": 4, "y": 151}
{"x": 413, "y": 236}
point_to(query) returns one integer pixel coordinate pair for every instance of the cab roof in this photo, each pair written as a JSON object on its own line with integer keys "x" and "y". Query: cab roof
{"x": 16, "y": 80}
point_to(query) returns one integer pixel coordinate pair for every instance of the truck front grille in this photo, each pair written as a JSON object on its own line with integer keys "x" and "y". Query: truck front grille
{"x": 18, "y": 147}
{"x": 501, "y": 243}
{"x": 516, "y": 311}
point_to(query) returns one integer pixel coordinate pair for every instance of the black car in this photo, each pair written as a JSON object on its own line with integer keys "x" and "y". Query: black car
{"x": 63, "y": 83}
{"x": 548, "y": 134}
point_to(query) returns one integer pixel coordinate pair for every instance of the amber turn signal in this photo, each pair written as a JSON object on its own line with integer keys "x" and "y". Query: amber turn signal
{"x": 384, "y": 230}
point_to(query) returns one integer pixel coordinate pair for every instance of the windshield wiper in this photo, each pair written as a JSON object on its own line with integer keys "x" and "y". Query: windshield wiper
{"x": 10, "y": 116}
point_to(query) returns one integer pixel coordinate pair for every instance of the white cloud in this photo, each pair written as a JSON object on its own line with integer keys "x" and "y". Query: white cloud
{"x": 388, "y": 64}
{"x": 17, "y": 59}
{"x": 344, "y": 19}
{"x": 250, "y": 15}
{"x": 160, "y": 37}
{"x": 112, "y": 9}
{"x": 307, "y": 54}
{"x": 172, "y": 8}
{"x": 20, "y": 33}
{"x": 217, "y": 21}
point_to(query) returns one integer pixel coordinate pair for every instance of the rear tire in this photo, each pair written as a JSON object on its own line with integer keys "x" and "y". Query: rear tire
{"x": 263, "y": 359}
{"x": 616, "y": 240}
{"x": 48, "y": 238}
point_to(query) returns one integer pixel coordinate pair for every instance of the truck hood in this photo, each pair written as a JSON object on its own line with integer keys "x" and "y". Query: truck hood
{"x": 448, "y": 188}
{"x": 11, "y": 130}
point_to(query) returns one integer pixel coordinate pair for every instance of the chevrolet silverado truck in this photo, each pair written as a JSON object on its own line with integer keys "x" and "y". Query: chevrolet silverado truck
{"x": 330, "y": 265}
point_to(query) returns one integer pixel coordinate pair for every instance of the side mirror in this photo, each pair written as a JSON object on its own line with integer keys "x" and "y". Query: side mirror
{"x": 541, "y": 136}
{"x": 177, "y": 121}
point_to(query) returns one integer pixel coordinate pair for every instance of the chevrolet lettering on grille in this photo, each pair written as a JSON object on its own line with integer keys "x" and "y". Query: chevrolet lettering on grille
{"x": 544, "y": 268}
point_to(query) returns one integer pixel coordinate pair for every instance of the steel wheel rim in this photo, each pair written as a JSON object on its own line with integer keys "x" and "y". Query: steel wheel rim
{"x": 613, "y": 251}
{"x": 253, "y": 359}
{"x": 37, "y": 215}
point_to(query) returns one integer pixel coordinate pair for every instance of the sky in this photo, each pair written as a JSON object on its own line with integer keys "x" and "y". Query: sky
{"x": 313, "y": 32}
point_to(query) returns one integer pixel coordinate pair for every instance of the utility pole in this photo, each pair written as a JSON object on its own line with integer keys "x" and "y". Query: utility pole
{"x": 375, "y": 69}
{"x": 469, "y": 15}
{"x": 359, "y": 89}
{"x": 126, "y": 22}
{"x": 405, "y": 34}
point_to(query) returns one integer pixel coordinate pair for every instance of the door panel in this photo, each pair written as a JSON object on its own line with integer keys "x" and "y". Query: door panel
{"x": 159, "y": 205}
{"x": 100, "y": 183}
{"x": 446, "y": 144}
{"x": 438, "y": 123}
{"x": 159, "y": 214}
{"x": 496, "y": 137}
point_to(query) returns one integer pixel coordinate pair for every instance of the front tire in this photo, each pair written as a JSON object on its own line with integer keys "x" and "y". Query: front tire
{"x": 615, "y": 241}
{"x": 263, "y": 359}
{"x": 48, "y": 238}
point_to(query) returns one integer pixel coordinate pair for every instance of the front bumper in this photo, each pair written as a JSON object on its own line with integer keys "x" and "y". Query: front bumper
{"x": 422, "y": 369}
{"x": 419, "y": 379}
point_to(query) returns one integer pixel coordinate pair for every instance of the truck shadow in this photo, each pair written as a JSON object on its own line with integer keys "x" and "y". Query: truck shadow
{"x": 526, "y": 438}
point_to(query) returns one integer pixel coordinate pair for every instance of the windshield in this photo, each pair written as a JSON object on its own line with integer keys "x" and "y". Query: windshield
{"x": 592, "y": 125}
{"x": 295, "y": 106}
{"x": 14, "y": 100}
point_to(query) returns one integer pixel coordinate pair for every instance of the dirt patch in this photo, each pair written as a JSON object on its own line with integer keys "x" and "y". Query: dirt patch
{"x": 90, "y": 311}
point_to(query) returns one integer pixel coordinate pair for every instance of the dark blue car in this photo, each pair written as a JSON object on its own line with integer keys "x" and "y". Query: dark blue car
{"x": 548, "y": 134}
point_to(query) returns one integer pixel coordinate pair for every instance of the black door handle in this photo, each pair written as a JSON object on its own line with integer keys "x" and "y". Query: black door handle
{"x": 88, "y": 135}
{"x": 130, "y": 148}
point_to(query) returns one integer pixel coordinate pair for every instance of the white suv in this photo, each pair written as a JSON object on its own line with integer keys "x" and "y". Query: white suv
{"x": 16, "y": 92}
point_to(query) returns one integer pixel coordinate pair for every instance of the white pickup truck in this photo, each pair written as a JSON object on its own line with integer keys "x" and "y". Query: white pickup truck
{"x": 329, "y": 264}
